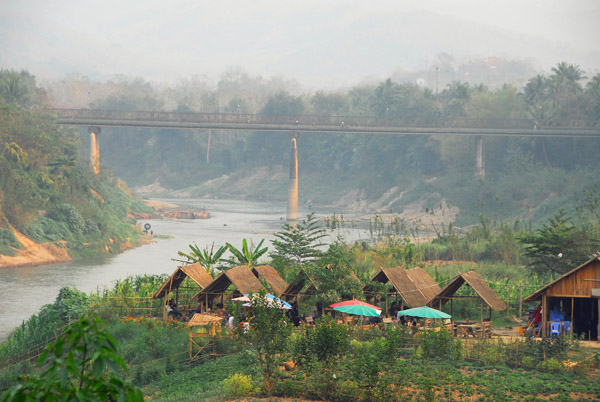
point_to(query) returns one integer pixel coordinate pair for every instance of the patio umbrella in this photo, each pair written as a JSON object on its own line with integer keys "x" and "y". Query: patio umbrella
{"x": 424, "y": 312}
{"x": 271, "y": 300}
{"x": 357, "y": 307}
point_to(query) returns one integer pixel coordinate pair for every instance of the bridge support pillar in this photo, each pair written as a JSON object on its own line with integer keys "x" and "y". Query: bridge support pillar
{"x": 479, "y": 162}
{"x": 292, "y": 209}
{"x": 94, "y": 148}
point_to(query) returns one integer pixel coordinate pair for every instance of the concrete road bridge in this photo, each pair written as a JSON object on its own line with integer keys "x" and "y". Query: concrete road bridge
{"x": 296, "y": 124}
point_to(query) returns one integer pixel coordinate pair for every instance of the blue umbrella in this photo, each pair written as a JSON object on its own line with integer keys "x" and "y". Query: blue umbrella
{"x": 271, "y": 299}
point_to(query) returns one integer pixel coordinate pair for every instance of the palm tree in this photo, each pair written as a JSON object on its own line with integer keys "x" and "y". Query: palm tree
{"x": 564, "y": 82}
{"x": 457, "y": 95}
{"x": 536, "y": 90}
{"x": 245, "y": 256}
{"x": 208, "y": 258}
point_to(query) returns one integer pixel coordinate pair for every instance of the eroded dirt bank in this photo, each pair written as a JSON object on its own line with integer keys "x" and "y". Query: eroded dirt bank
{"x": 33, "y": 253}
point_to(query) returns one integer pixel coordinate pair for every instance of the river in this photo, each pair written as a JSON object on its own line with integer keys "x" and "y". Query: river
{"x": 24, "y": 290}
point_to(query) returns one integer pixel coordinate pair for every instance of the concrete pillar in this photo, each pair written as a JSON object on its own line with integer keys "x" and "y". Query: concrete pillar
{"x": 479, "y": 162}
{"x": 292, "y": 210}
{"x": 94, "y": 148}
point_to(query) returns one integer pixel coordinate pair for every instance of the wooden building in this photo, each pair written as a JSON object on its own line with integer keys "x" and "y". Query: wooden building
{"x": 572, "y": 299}
{"x": 414, "y": 287}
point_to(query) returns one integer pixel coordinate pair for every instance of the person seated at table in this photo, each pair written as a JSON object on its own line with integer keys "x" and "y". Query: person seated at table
{"x": 171, "y": 307}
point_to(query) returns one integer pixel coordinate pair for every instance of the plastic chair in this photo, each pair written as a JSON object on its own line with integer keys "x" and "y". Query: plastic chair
{"x": 555, "y": 328}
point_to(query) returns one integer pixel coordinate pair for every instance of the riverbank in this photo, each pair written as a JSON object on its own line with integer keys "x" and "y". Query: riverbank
{"x": 32, "y": 253}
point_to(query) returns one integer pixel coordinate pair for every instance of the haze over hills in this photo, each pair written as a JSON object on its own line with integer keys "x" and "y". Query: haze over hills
{"x": 323, "y": 46}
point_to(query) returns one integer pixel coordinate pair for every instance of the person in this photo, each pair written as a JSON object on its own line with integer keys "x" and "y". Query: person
{"x": 393, "y": 310}
{"x": 172, "y": 309}
{"x": 230, "y": 321}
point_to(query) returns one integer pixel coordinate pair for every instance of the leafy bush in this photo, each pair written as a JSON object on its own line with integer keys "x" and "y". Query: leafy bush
{"x": 238, "y": 385}
{"x": 8, "y": 238}
{"x": 551, "y": 365}
{"x": 82, "y": 364}
{"x": 439, "y": 344}
{"x": 326, "y": 341}
{"x": 70, "y": 215}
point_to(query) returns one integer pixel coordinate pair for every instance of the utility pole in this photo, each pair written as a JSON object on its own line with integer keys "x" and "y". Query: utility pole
{"x": 436, "y": 80}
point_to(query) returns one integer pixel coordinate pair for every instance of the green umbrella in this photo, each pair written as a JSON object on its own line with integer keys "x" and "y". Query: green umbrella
{"x": 358, "y": 309}
{"x": 425, "y": 312}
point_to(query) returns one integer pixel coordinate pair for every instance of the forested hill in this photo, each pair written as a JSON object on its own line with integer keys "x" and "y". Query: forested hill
{"x": 46, "y": 194}
{"x": 529, "y": 178}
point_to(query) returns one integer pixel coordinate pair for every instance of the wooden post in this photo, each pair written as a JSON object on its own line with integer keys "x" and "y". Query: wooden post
{"x": 481, "y": 310}
{"x": 572, "y": 308}
{"x": 520, "y": 300}
{"x": 544, "y": 313}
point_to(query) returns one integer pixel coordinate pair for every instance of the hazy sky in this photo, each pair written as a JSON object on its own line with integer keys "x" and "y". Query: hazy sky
{"x": 328, "y": 43}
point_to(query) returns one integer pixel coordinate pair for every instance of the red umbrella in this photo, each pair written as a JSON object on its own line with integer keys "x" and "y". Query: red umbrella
{"x": 354, "y": 303}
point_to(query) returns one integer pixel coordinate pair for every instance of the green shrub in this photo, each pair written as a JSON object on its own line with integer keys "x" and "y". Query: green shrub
{"x": 439, "y": 344}
{"x": 8, "y": 238}
{"x": 70, "y": 215}
{"x": 551, "y": 365}
{"x": 238, "y": 385}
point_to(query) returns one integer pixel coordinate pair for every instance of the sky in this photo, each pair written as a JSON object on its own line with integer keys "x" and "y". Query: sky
{"x": 318, "y": 43}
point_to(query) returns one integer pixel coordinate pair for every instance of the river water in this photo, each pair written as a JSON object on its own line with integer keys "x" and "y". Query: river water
{"x": 24, "y": 290}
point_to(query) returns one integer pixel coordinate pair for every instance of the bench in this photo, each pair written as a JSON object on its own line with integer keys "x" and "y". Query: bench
{"x": 485, "y": 331}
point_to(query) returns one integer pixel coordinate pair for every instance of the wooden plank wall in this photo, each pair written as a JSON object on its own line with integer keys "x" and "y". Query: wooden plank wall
{"x": 578, "y": 284}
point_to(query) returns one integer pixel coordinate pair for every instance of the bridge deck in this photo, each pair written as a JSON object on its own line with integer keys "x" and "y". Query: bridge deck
{"x": 321, "y": 124}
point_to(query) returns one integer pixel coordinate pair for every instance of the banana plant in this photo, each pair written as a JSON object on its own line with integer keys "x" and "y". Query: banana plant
{"x": 208, "y": 258}
{"x": 245, "y": 256}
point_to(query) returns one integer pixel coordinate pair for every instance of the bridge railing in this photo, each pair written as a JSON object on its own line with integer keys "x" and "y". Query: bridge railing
{"x": 315, "y": 120}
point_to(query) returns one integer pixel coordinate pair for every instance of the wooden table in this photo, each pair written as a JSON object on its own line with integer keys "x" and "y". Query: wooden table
{"x": 466, "y": 330}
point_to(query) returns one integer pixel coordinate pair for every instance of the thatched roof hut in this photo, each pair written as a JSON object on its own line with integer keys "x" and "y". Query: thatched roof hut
{"x": 414, "y": 286}
{"x": 475, "y": 281}
{"x": 305, "y": 285}
{"x": 203, "y": 319}
{"x": 195, "y": 272}
{"x": 241, "y": 277}
{"x": 574, "y": 298}
{"x": 294, "y": 288}
{"x": 268, "y": 274}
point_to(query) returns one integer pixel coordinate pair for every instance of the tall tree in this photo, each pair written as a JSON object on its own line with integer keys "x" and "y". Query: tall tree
{"x": 558, "y": 245}
{"x": 298, "y": 244}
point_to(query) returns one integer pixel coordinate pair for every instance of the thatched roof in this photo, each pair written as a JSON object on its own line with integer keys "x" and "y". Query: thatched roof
{"x": 241, "y": 277}
{"x": 415, "y": 286}
{"x": 538, "y": 294}
{"x": 194, "y": 271}
{"x": 425, "y": 283}
{"x": 295, "y": 288}
{"x": 476, "y": 282}
{"x": 271, "y": 276}
{"x": 203, "y": 319}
